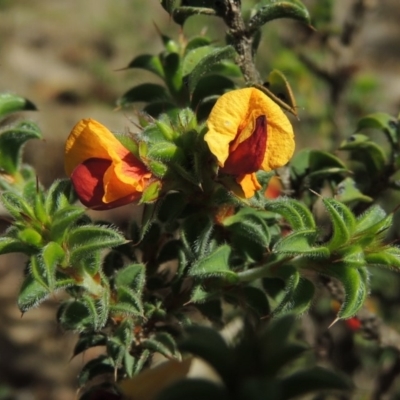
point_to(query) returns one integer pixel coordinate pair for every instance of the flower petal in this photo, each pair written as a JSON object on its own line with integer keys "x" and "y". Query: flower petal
{"x": 246, "y": 157}
{"x": 87, "y": 179}
{"x": 233, "y": 118}
{"x": 249, "y": 184}
{"x": 126, "y": 176}
{"x": 90, "y": 139}
{"x": 100, "y": 165}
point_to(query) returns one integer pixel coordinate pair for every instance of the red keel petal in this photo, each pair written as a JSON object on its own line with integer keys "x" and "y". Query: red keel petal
{"x": 248, "y": 155}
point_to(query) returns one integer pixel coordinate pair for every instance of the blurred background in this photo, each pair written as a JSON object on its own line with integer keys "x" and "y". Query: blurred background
{"x": 65, "y": 56}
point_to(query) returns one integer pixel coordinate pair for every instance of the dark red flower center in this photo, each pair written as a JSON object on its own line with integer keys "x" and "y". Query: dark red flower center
{"x": 247, "y": 157}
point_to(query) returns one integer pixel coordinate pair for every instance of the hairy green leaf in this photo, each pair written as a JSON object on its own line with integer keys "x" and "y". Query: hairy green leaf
{"x": 270, "y": 10}
{"x": 215, "y": 264}
{"x": 149, "y": 63}
{"x": 294, "y": 212}
{"x": 204, "y": 65}
{"x": 10, "y": 103}
{"x": 343, "y": 222}
{"x": 145, "y": 92}
{"x": 12, "y": 141}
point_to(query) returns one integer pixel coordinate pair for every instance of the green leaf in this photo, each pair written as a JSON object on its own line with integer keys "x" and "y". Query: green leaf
{"x": 196, "y": 233}
{"x": 59, "y": 196}
{"x": 388, "y": 256}
{"x": 343, "y": 223}
{"x": 199, "y": 295}
{"x": 152, "y": 191}
{"x": 88, "y": 340}
{"x": 250, "y": 298}
{"x": 249, "y": 233}
{"x": 298, "y": 298}
{"x": 193, "y": 57}
{"x": 168, "y": 132}
{"x": 210, "y": 85}
{"x": 52, "y": 255}
{"x": 370, "y": 218}
{"x": 270, "y": 10}
{"x": 31, "y": 237}
{"x": 348, "y": 193}
{"x": 363, "y": 149}
{"x": 163, "y": 343}
{"x": 63, "y": 220}
{"x": 294, "y": 212}
{"x": 165, "y": 152}
{"x": 13, "y": 245}
{"x": 209, "y": 345}
{"x": 382, "y": 121}
{"x": 146, "y": 92}
{"x": 129, "y": 302}
{"x": 12, "y": 141}
{"x": 95, "y": 317}
{"x": 119, "y": 345}
{"x": 10, "y": 103}
{"x": 311, "y": 380}
{"x": 226, "y": 68}
{"x": 148, "y": 218}
{"x": 102, "y": 365}
{"x": 31, "y": 294}
{"x": 196, "y": 42}
{"x": 215, "y": 264}
{"x": 149, "y": 63}
{"x": 181, "y": 14}
{"x": 141, "y": 361}
{"x": 87, "y": 239}
{"x": 173, "y": 72}
{"x": 17, "y": 207}
{"x": 322, "y": 159}
{"x": 132, "y": 276}
{"x": 355, "y": 285}
{"x": 157, "y": 108}
{"x": 301, "y": 243}
{"x": 204, "y": 65}
{"x": 205, "y": 106}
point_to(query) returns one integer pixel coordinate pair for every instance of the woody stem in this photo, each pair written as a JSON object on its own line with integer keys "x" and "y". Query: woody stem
{"x": 242, "y": 40}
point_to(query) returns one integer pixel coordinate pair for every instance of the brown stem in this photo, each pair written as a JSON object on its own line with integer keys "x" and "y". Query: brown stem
{"x": 242, "y": 40}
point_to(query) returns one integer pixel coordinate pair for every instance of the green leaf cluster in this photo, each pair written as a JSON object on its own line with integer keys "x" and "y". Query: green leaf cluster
{"x": 256, "y": 365}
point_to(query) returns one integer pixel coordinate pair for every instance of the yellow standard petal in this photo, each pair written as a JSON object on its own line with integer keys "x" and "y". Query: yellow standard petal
{"x": 89, "y": 139}
{"x": 233, "y": 118}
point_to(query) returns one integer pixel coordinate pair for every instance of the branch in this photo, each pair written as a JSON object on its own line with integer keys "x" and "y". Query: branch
{"x": 242, "y": 40}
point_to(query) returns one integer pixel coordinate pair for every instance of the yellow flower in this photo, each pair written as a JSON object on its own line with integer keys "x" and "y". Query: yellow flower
{"x": 104, "y": 173}
{"x": 248, "y": 132}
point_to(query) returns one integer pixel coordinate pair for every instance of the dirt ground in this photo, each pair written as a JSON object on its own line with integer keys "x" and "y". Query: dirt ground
{"x": 63, "y": 56}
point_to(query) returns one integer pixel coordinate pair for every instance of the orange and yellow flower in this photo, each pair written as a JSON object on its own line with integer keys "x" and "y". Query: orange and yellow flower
{"x": 248, "y": 132}
{"x": 104, "y": 173}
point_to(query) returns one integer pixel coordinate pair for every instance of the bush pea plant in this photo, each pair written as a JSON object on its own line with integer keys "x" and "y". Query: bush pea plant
{"x": 239, "y": 234}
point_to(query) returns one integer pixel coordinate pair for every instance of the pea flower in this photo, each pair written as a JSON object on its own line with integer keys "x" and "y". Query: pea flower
{"x": 248, "y": 132}
{"x": 103, "y": 172}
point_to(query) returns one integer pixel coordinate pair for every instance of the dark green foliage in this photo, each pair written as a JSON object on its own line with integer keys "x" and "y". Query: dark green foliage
{"x": 203, "y": 254}
{"x": 253, "y": 367}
